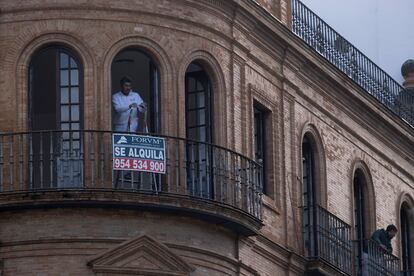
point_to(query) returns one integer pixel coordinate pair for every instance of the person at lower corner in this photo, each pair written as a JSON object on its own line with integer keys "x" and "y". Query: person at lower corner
{"x": 383, "y": 237}
{"x": 126, "y": 104}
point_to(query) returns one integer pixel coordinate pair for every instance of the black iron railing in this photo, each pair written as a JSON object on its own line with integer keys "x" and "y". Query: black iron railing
{"x": 348, "y": 59}
{"x": 407, "y": 273}
{"x": 83, "y": 160}
{"x": 378, "y": 262}
{"x": 333, "y": 245}
{"x": 332, "y": 240}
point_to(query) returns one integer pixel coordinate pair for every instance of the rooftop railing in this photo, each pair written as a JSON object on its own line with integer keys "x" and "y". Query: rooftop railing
{"x": 352, "y": 62}
{"x": 76, "y": 160}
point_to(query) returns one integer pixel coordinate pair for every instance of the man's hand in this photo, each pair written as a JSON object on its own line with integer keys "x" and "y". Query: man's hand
{"x": 143, "y": 107}
{"x": 383, "y": 247}
{"x": 133, "y": 105}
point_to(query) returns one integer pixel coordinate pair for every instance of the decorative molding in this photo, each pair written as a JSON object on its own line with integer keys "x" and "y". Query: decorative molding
{"x": 143, "y": 256}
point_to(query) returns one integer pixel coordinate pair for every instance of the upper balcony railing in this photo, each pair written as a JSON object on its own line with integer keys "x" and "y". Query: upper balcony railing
{"x": 82, "y": 160}
{"x": 348, "y": 59}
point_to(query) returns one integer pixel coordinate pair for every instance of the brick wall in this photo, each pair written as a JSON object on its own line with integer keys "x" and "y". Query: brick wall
{"x": 250, "y": 59}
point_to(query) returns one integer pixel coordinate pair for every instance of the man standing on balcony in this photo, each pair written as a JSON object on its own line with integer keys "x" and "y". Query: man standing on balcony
{"x": 384, "y": 237}
{"x": 126, "y": 104}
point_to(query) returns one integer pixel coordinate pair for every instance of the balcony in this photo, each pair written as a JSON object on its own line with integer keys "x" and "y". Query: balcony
{"x": 330, "y": 247}
{"x": 376, "y": 261}
{"x": 352, "y": 62}
{"x": 74, "y": 168}
{"x": 332, "y": 251}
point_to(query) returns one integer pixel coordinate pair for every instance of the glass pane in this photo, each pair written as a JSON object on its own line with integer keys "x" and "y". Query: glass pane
{"x": 75, "y": 112}
{"x": 65, "y": 145}
{"x": 74, "y": 91}
{"x": 63, "y": 60}
{"x": 64, "y": 77}
{"x": 75, "y": 126}
{"x": 191, "y": 101}
{"x": 64, "y": 113}
{"x": 200, "y": 100}
{"x": 192, "y": 134}
{"x": 199, "y": 86}
{"x": 74, "y": 77}
{"x": 76, "y": 145}
{"x": 73, "y": 63}
{"x": 192, "y": 118}
{"x": 65, "y": 135}
{"x": 202, "y": 134}
{"x": 191, "y": 84}
{"x": 201, "y": 117}
{"x": 75, "y": 135}
{"x": 64, "y": 126}
{"x": 64, "y": 95}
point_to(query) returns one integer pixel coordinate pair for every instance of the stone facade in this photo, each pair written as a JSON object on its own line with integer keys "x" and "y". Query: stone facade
{"x": 251, "y": 57}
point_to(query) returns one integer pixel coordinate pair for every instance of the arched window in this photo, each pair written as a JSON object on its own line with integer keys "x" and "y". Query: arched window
{"x": 309, "y": 194}
{"x": 198, "y": 117}
{"x": 144, "y": 75}
{"x": 407, "y": 239}
{"x": 55, "y": 103}
{"x": 361, "y": 210}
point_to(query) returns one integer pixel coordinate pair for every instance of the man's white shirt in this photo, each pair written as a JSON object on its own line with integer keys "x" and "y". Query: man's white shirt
{"x": 121, "y": 104}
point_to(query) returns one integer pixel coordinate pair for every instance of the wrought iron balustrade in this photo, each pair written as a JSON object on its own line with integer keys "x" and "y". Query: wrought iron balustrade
{"x": 348, "y": 59}
{"x": 332, "y": 240}
{"x": 59, "y": 160}
{"x": 407, "y": 273}
{"x": 377, "y": 262}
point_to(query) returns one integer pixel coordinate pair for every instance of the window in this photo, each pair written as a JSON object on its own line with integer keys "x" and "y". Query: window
{"x": 260, "y": 148}
{"x": 143, "y": 73}
{"x": 55, "y": 96}
{"x": 309, "y": 195}
{"x": 198, "y": 116}
{"x": 406, "y": 240}
{"x": 360, "y": 210}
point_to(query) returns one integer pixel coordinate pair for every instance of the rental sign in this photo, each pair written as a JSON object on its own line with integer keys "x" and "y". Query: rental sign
{"x": 138, "y": 153}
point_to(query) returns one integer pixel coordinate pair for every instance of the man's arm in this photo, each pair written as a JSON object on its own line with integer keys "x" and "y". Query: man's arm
{"x": 117, "y": 104}
{"x": 376, "y": 236}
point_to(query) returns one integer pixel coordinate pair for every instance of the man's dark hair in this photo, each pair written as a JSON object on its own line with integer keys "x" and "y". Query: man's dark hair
{"x": 391, "y": 227}
{"x": 124, "y": 80}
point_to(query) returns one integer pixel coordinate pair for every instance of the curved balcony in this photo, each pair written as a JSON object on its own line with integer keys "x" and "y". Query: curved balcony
{"x": 72, "y": 168}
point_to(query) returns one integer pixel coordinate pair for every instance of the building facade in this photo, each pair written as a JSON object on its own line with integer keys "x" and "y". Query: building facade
{"x": 278, "y": 162}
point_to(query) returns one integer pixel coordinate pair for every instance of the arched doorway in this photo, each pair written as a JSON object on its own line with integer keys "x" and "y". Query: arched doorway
{"x": 309, "y": 195}
{"x": 407, "y": 238}
{"x": 140, "y": 68}
{"x": 198, "y": 118}
{"x": 55, "y": 104}
{"x": 361, "y": 210}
